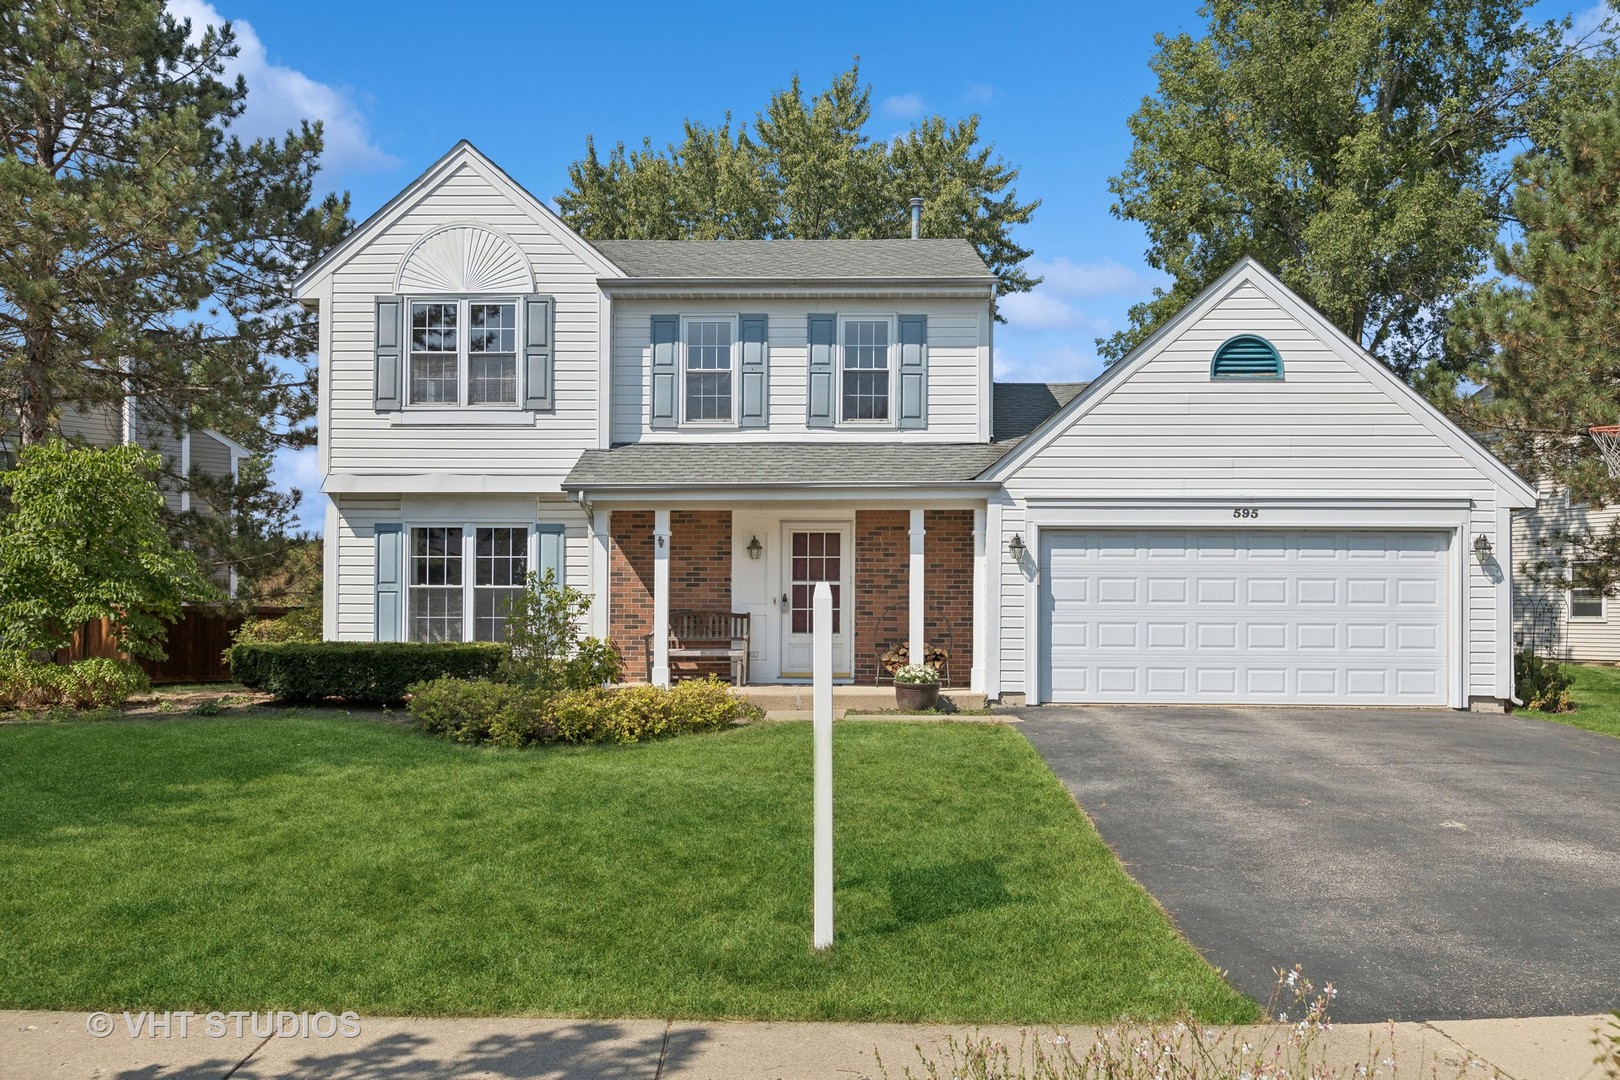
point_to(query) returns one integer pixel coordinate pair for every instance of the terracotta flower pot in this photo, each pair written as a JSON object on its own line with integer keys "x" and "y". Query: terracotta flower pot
{"x": 915, "y": 697}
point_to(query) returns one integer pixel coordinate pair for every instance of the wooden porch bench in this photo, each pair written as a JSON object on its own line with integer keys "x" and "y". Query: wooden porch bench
{"x": 708, "y": 635}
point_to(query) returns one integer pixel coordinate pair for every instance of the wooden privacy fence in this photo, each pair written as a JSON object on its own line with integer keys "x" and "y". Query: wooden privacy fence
{"x": 196, "y": 644}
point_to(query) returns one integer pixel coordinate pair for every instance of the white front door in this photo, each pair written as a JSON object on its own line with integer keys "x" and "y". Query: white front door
{"x": 814, "y": 553}
{"x": 1336, "y": 617}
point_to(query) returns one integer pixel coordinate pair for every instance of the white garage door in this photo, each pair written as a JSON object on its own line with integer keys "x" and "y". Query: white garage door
{"x": 1248, "y": 616}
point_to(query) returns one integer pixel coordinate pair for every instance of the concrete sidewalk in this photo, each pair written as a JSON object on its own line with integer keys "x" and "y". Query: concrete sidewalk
{"x": 48, "y": 1045}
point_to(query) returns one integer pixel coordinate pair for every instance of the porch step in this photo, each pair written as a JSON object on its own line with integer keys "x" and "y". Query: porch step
{"x": 786, "y": 701}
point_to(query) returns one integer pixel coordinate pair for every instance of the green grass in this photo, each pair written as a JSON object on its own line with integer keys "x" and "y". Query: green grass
{"x": 1596, "y": 692}
{"x": 301, "y": 860}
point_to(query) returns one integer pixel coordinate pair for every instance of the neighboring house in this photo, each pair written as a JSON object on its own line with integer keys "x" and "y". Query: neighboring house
{"x": 1570, "y": 624}
{"x": 1247, "y": 508}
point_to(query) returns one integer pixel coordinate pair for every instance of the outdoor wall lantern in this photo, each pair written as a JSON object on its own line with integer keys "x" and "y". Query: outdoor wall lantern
{"x": 1015, "y": 548}
{"x": 1482, "y": 548}
{"x": 755, "y": 549}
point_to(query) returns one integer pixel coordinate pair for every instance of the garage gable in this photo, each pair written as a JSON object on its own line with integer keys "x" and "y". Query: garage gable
{"x": 1203, "y": 406}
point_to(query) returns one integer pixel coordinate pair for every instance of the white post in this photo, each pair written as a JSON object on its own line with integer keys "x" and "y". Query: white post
{"x": 821, "y": 667}
{"x": 981, "y": 582}
{"x": 918, "y": 620}
{"x": 660, "y": 627}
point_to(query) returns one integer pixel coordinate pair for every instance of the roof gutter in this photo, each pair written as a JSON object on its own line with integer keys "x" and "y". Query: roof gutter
{"x": 619, "y": 284}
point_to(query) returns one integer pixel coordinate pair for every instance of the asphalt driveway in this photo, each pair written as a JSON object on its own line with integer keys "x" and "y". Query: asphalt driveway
{"x": 1432, "y": 865}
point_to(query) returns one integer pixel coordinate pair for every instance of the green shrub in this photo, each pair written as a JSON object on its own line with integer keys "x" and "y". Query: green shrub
{"x": 511, "y": 715}
{"x": 97, "y": 683}
{"x": 299, "y": 624}
{"x": 545, "y": 649}
{"x": 1540, "y": 683}
{"x": 364, "y": 672}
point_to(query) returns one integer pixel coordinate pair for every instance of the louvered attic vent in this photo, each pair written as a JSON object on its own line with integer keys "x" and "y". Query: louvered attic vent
{"x": 1246, "y": 357}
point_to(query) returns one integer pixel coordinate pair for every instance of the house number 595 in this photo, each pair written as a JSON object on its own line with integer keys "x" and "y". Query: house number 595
{"x": 1246, "y": 512}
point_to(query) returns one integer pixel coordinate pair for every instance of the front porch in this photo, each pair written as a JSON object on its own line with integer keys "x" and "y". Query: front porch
{"x": 900, "y": 574}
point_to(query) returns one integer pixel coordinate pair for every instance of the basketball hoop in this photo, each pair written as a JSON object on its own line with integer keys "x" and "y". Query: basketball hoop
{"x": 1607, "y": 437}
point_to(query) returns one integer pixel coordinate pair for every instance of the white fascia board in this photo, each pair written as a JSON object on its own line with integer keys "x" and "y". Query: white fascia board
{"x": 463, "y": 153}
{"x": 767, "y": 288}
{"x": 1512, "y": 489}
{"x": 941, "y": 496}
{"x": 349, "y": 483}
{"x": 229, "y": 443}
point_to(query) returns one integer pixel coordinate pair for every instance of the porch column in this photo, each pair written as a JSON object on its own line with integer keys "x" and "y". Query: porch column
{"x": 981, "y": 581}
{"x": 918, "y": 614}
{"x": 601, "y": 573}
{"x": 660, "y": 626}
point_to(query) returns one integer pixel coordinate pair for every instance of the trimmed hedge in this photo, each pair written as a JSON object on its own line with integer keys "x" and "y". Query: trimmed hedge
{"x": 96, "y": 683}
{"x": 364, "y": 672}
{"x": 476, "y": 710}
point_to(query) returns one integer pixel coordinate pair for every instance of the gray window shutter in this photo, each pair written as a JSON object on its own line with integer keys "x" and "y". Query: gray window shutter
{"x": 913, "y": 371}
{"x": 550, "y": 554}
{"x": 387, "y": 394}
{"x": 538, "y": 377}
{"x": 822, "y": 338}
{"x": 390, "y": 567}
{"x": 666, "y": 351}
{"x": 756, "y": 372}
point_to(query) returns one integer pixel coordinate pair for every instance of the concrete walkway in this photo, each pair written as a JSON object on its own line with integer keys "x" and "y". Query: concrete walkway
{"x": 48, "y": 1045}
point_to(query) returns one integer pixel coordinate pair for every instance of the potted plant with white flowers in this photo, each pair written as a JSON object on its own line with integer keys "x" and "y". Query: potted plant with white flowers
{"x": 916, "y": 687}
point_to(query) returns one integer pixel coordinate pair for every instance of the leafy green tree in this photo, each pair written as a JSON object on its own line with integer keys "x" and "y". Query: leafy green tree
{"x": 1356, "y": 148}
{"x": 82, "y": 537}
{"x": 144, "y": 250}
{"x": 546, "y": 650}
{"x": 806, "y": 171}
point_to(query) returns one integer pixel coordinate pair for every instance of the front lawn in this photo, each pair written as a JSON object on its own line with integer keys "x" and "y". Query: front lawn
{"x": 306, "y": 860}
{"x": 1596, "y": 693}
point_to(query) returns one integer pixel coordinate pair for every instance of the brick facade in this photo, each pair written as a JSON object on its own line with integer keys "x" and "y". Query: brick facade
{"x": 882, "y": 587}
{"x": 699, "y": 578}
{"x": 948, "y": 575}
{"x": 700, "y": 575}
{"x": 630, "y": 588}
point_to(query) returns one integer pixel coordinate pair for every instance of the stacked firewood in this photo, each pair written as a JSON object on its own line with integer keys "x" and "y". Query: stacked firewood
{"x": 898, "y": 655}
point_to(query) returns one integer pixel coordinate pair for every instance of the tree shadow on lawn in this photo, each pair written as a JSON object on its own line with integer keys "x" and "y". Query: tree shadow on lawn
{"x": 926, "y": 894}
{"x": 585, "y": 1049}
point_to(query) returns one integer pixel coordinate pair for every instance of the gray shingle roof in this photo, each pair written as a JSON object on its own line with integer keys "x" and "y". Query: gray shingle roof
{"x": 784, "y": 260}
{"x": 1020, "y": 408}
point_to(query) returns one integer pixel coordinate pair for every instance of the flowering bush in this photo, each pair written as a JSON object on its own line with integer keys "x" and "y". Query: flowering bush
{"x": 917, "y": 673}
{"x": 1294, "y": 1048}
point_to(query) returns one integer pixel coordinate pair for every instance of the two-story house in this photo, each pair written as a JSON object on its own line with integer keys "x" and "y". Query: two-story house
{"x": 1248, "y": 508}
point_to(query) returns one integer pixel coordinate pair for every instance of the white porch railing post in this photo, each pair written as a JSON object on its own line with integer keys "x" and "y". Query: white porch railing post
{"x": 981, "y": 608}
{"x": 821, "y": 698}
{"x": 918, "y": 615}
{"x": 660, "y": 627}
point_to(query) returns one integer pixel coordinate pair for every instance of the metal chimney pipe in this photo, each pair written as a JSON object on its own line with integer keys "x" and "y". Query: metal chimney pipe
{"x": 916, "y": 217}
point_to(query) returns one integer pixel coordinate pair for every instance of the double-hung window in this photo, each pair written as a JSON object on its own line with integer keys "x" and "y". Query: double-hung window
{"x": 1585, "y": 603}
{"x": 866, "y": 370}
{"x": 464, "y": 352}
{"x": 445, "y": 602}
{"x": 709, "y": 369}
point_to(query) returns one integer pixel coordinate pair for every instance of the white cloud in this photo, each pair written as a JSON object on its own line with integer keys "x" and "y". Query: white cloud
{"x": 1065, "y": 277}
{"x": 1044, "y": 310}
{"x": 979, "y": 93}
{"x": 301, "y": 469}
{"x": 1053, "y": 363}
{"x": 279, "y": 97}
{"x": 904, "y": 106}
{"x": 1588, "y": 21}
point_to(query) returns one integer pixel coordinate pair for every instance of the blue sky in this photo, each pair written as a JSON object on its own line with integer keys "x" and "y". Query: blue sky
{"x": 398, "y": 83}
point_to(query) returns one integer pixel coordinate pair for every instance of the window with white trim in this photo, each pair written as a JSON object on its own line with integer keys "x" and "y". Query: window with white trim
{"x": 708, "y": 369}
{"x": 444, "y": 602}
{"x": 866, "y": 366}
{"x": 464, "y": 352}
{"x": 1586, "y": 603}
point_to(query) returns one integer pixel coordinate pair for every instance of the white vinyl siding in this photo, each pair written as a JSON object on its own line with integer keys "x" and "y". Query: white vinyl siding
{"x": 956, "y": 334}
{"x": 543, "y": 447}
{"x": 1562, "y": 632}
{"x": 1325, "y": 432}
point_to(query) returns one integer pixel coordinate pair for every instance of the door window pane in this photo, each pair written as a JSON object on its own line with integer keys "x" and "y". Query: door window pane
{"x": 501, "y": 563}
{"x": 434, "y": 351}
{"x": 816, "y": 557}
{"x": 436, "y": 584}
{"x": 708, "y": 370}
{"x": 866, "y": 370}
{"x": 492, "y": 354}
